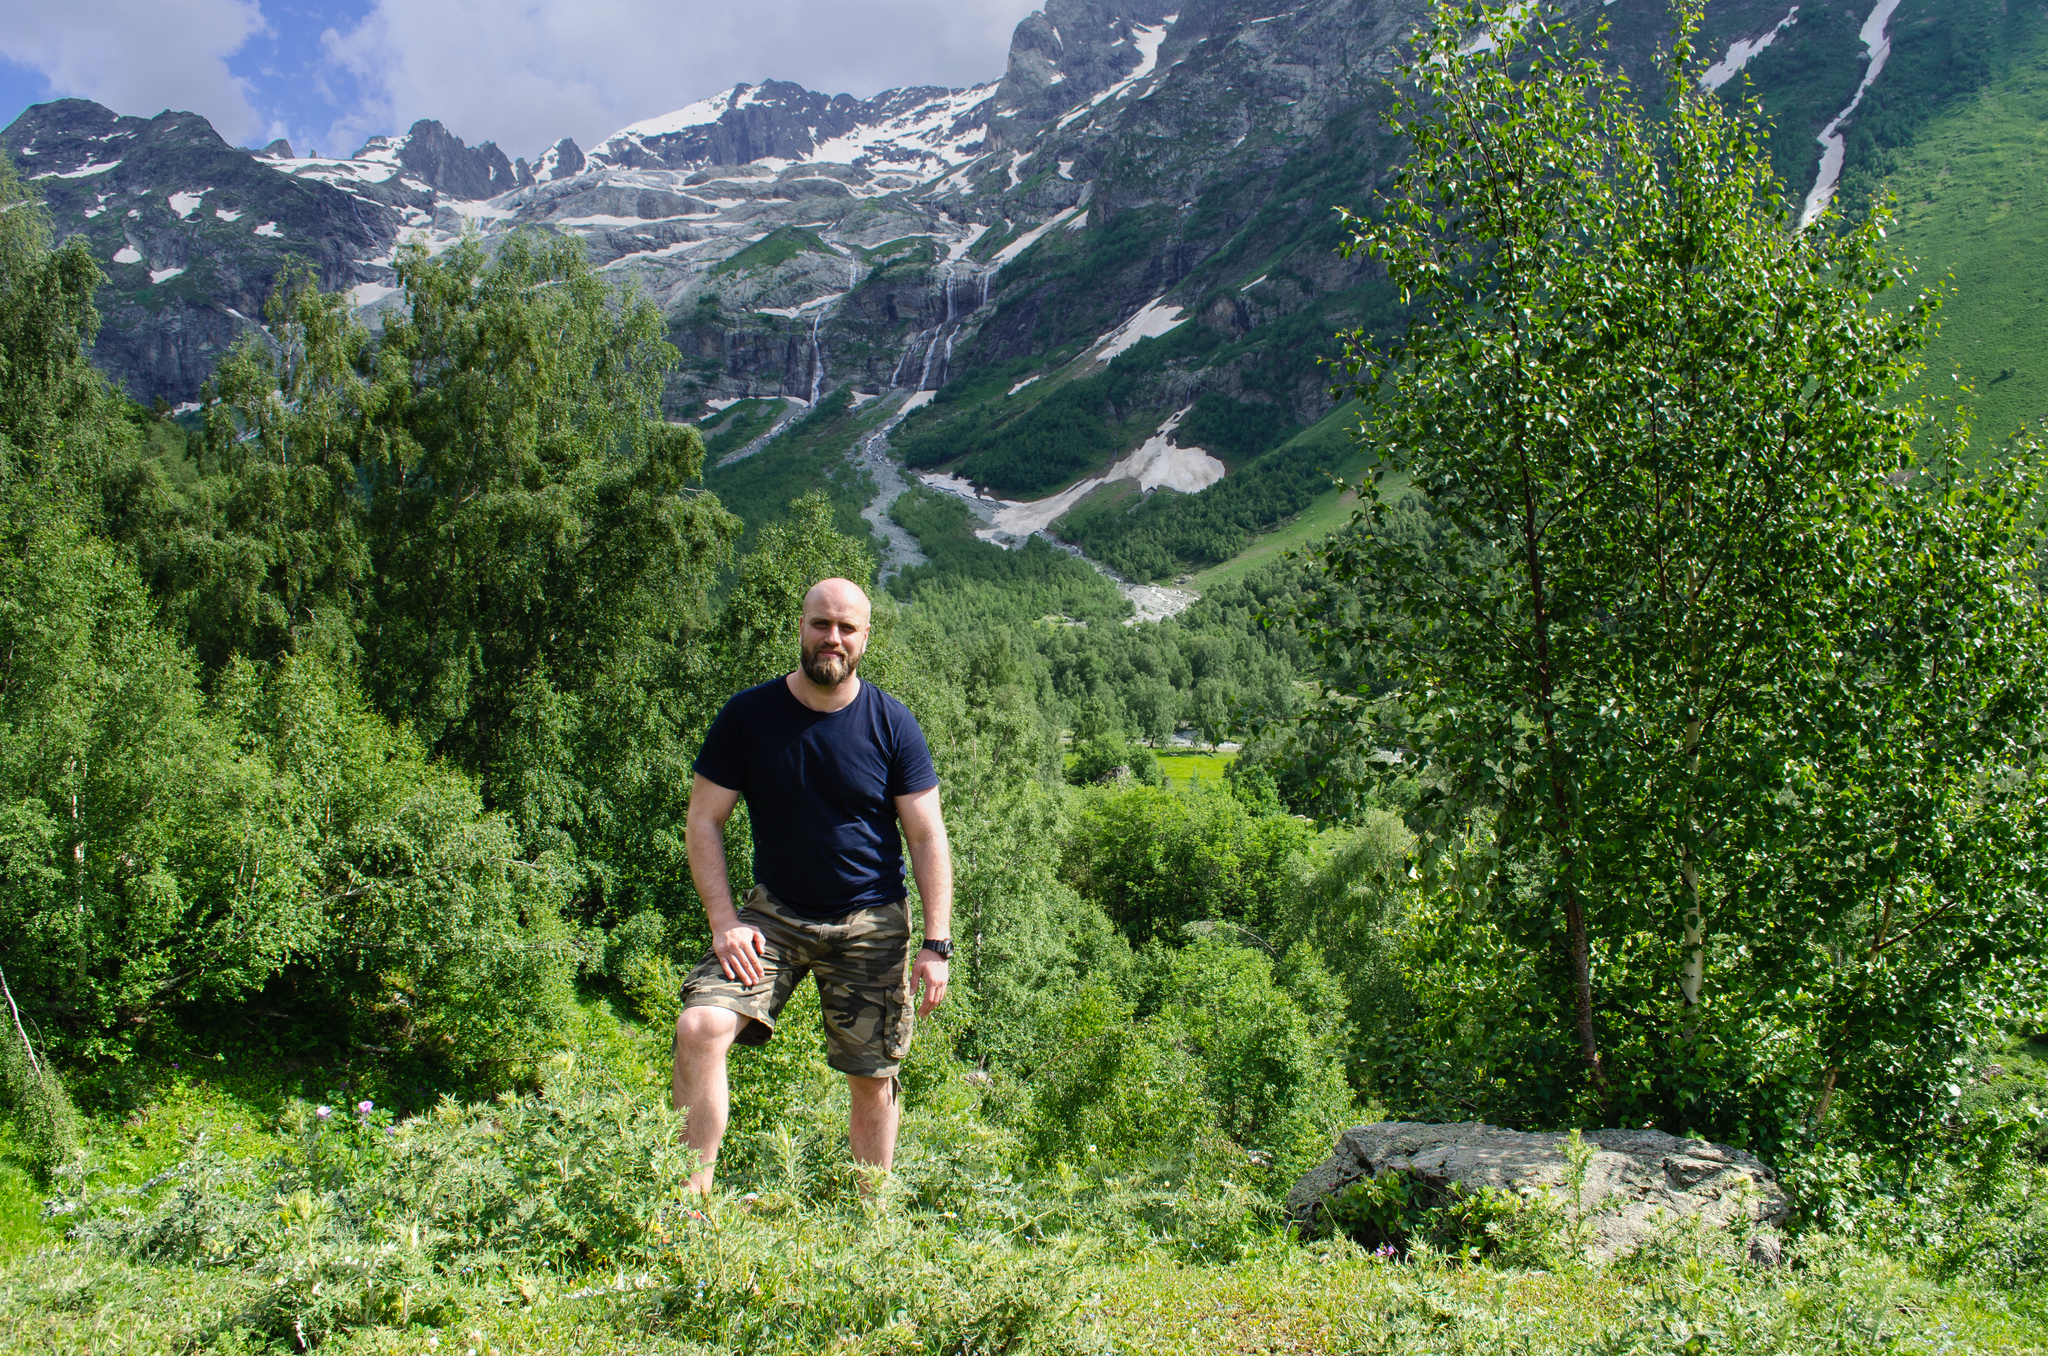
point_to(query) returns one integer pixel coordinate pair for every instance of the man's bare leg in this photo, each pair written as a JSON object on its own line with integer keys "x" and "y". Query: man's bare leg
{"x": 698, "y": 1086}
{"x": 871, "y": 1128}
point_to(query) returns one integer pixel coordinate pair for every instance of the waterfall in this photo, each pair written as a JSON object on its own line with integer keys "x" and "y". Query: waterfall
{"x": 817, "y": 361}
{"x": 947, "y": 330}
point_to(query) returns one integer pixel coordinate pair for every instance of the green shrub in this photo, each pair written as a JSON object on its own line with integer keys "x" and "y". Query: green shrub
{"x": 46, "y": 1121}
{"x": 1396, "y": 1211}
{"x": 1110, "y": 758}
{"x": 1271, "y": 1070}
{"x": 1155, "y": 860}
{"x": 358, "y": 1221}
{"x": 1112, "y": 1088}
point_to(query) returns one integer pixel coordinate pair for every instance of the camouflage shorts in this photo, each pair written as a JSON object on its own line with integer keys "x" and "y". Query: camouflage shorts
{"x": 862, "y": 961}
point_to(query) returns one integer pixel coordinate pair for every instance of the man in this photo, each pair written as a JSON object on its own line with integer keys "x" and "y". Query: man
{"x": 829, "y": 766}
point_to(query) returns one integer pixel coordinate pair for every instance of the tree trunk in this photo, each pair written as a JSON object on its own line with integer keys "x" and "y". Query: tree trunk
{"x": 1582, "y": 985}
{"x": 1693, "y": 974}
{"x": 1833, "y": 1075}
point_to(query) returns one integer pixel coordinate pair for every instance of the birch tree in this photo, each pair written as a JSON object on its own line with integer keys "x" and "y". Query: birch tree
{"x": 1661, "y": 440}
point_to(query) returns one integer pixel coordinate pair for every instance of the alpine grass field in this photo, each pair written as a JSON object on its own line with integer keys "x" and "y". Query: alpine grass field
{"x": 1644, "y": 733}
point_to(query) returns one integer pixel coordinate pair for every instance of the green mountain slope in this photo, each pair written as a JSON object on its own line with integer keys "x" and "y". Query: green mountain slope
{"x": 1973, "y": 200}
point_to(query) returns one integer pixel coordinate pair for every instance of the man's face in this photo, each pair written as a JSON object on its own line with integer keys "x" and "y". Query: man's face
{"x": 835, "y": 635}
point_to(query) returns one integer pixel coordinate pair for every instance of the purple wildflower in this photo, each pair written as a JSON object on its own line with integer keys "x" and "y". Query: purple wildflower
{"x": 323, "y": 1112}
{"x": 363, "y": 1108}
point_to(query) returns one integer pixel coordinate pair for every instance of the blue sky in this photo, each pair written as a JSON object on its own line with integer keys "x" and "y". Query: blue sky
{"x": 328, "y": 73}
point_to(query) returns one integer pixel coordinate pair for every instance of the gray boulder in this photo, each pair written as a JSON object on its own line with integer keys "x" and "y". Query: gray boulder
{"x": 1637, "y": 1181}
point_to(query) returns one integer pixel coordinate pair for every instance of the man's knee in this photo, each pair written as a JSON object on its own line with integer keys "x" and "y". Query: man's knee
{"x": 881, "y": 1091}
{"x": 706, "y": 1030}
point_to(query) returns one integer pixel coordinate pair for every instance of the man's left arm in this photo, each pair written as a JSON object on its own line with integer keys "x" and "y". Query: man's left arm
{"x": 931, "y": 861}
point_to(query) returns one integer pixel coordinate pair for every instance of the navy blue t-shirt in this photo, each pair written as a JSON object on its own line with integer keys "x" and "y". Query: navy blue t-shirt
{"x": 821, "y": 790}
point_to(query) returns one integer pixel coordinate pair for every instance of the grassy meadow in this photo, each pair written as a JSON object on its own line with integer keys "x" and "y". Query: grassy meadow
{"x": 960, "y": 1253}
{"x": 1973, "y": 214}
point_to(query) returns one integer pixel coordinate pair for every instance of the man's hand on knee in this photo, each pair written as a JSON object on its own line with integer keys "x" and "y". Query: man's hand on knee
{"x": 739, "y": 948}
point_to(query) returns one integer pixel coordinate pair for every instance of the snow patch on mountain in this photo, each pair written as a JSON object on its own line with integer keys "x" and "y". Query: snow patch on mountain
{"x": 1833, "y": 147}
{"x": 1158, "y": 464}
{"x": 186, "y": 203}
{"x": 83, "y": 171}
{"x": 941, "y": 133}
{"x": 1031, "y": 237}
{"x": 1152, "y": 320}
{"x": 1743, "y": 50}
{"x": 917, "y": 133}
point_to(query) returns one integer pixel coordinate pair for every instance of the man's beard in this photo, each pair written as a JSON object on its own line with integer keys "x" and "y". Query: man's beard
{"x": 829, "y": 670}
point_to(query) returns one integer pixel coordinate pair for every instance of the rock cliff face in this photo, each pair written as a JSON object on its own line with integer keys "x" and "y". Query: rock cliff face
{"x": 191, "y": 232}
{"x": 433, "y": 154}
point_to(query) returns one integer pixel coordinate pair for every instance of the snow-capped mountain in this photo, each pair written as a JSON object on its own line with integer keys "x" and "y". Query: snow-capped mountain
{"x": 1170, "y": 159}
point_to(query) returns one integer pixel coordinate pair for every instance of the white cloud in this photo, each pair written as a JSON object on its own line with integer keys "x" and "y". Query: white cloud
{"x": 141, "y": 56}
{"x": 526, "y": 72}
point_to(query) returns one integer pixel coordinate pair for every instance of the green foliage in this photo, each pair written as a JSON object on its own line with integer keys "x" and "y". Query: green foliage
{"x": 57, "y": 415}
{"x": 163, "y": 847}
{"x": 808, "y": 456}
{"x": 1941, "y": 54}
{"x": 356, "y": 1221}
{"x": 1346, "y": 903}
{"x": 1270, "y": 1053}
{"x": 1397, "y": 1211}
{"x": 1663, "y": 647}
{"x": 1032, "y": 447}
{"x": 1036, "y": 452}
{"x": 46, "y": 1121}
{"x": 971, "y": 581}
{"x": 1107, "y": 1086}
{"x": 1109, "y": 757}
{"x": 1811, "y": 71}
{"x": 1966, "y": 202}
{"x": 1219, "y": 1062}
{"x": 742, "y": 423}
{"x": 1167, "y": 532}
{"x": 1156, "y": 860}
{"x": 1234, "y": 430}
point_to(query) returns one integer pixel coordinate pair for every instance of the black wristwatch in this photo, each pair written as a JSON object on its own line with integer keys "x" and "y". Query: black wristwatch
{"x": 940, "y": 947}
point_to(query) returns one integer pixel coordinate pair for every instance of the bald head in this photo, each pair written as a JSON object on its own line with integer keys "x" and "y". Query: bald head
{"x": 838, "y": 596}
{"x": 834, "y": 632}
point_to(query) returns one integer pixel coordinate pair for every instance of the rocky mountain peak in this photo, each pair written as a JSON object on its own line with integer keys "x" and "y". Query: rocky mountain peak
{"x": 559, "y": 161}
{"x": 1073, "y": 50}
{"x": 437, "y": 157}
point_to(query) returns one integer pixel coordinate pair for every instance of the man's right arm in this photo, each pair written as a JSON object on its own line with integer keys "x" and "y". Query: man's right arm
{"x": 739, "y": 948}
